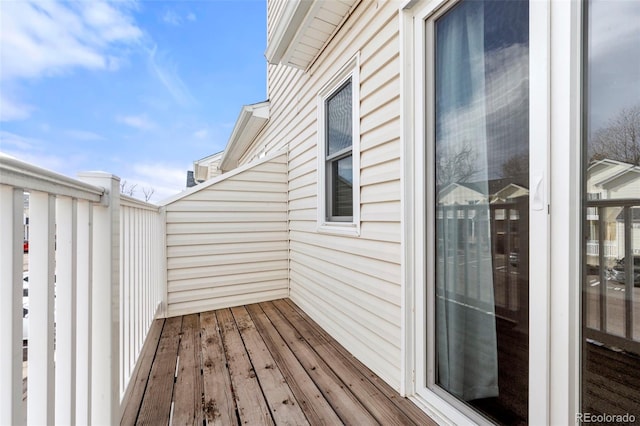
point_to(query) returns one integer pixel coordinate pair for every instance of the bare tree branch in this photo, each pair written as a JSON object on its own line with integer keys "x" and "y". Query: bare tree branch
{"x": 127, "y": 188}
{"x": 456, "y": 166}
{"x": 516, "y": 168}
{"x": 148, "y": 192}
{"x": 620, "y": 140}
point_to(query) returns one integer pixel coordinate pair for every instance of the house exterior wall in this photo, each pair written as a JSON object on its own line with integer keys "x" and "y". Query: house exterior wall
{"x": 213, "y": 169}
{"x": 207, "y": 168}
{"x": 350, "y": 285}
{"x": 227, "y": 242}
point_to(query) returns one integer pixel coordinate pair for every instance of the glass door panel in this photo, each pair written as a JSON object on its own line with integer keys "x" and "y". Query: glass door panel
{"x": 481, "y": 293}
{"x": 611, "y": 206}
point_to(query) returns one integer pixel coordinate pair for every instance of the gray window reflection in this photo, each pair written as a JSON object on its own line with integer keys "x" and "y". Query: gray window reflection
{"x": 482, "y": 199}
{"x": 611, "y": 201}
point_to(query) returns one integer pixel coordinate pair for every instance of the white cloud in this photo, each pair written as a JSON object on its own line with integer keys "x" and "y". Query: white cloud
{"x": 140, "y": 122}
{"x": 83, "y": 135}
{"x": 11, "y": 110}
{"x": 171, "y": 18}
{"x": 35, "y": 151}
{"x": 166, "y": 71}
{"x": 13, "y": 140}
{"x": 201, "y": 134}
{"x": 45, "y": 161}
{"x": 48, "y": 37}
{"x": 165, "y": 179}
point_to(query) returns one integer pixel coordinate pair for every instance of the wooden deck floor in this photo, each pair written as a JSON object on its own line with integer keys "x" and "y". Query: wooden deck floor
{"x": 266, "y": 363}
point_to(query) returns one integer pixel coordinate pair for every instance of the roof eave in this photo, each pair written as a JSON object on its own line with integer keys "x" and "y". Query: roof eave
{"x": 296, "y": 40}
{"x": 250, "y": 122}
{"x": 285, "y": 30}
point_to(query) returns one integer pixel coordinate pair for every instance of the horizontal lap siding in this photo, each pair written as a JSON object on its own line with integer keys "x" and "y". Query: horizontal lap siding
{"x": 350, "y": 286}
{"x": 227, "y": 244}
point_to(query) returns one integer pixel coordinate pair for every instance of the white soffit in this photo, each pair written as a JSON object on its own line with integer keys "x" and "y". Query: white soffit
{"x": 251, "y": 120}
{"x": 304, "y": 28}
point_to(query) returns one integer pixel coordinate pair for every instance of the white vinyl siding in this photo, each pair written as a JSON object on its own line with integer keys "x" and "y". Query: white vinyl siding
{"x": 349, "y": 285}
{"x": 227, "y": 243}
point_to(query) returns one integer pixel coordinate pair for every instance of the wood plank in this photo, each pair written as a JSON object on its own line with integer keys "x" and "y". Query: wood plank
{"x": 282, "y": 403}
{"x": 219, "y": 405}
{"x": 369, "y": 395}
{"x": 156, "y": 404}
{"x": 345, "y": 404}
{"x": 311, "y": 400}
{"x": 188, "y": 409}
{"x": 252, "y": 407}
{"x": 140, "y": 375}
{"x": 407, "y": 407}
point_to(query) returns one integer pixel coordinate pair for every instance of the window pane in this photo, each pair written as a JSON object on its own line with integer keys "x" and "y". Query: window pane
{"x": 339, "y": 128}
{"x": 611, "y": 206}
{"x": 482, "y": 204}
{"x": 342, "y": 187}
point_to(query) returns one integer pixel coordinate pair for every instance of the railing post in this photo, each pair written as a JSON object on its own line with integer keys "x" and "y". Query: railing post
{"x": 41, "y": 388}
{"x": 66, "y": 308}
{"x": 164, "y": 309}
{"x": 84, "y": 313}
{"x": 11, "y": 214}
{"x": 105, "y": 351}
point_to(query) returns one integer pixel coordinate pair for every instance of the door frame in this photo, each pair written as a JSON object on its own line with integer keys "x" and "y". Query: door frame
{"x": 555, "y": 167}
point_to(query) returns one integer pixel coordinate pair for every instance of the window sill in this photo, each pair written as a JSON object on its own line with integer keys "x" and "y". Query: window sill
{"x": 338, "y": 228}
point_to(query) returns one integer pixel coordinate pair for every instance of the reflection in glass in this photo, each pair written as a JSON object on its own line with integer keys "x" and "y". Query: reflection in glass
{"x": 342, "y": 192}
{"x": 339, "y": 127}
{"x": 482, "y": 235}
{"x": 611, "y": 201}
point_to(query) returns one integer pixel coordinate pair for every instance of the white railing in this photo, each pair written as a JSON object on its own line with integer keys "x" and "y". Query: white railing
{"x": 95, "y": 284}
{"x": 610, "y": 249}
{"x": 142, "y": 279}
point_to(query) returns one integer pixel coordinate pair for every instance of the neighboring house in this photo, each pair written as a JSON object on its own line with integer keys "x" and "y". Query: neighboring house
{"x": 337, "y": 167}
{"x": 204, "y": 169}
{"x": 509, "y": 192}
{"x": 461, "y": 193}
{"x": 610, "y": 180}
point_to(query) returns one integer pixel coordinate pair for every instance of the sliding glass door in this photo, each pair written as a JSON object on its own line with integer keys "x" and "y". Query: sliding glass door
{"x": 611, "y": 211}
{"x": 481, "y": 165}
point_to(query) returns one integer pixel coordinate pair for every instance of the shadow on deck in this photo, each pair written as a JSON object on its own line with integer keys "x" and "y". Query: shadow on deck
{"x": 265, "y": 363}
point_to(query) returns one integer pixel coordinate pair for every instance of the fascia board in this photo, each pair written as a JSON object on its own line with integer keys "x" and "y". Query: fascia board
{"x": 251, "y": 120}
{"x": 286, "y": 29}
{"x": 209, "y": 158}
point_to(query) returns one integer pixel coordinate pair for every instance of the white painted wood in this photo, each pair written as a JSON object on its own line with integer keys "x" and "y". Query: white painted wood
{"x": 85, "y": 260}
{"x": 84, "y": 312}
{"x": 41, "y": 308}
{"x": 105, "y": 351}
{"x": 224, "y": 249}
{"x": 29, "y": 177}
{"x": 140, "y": 279}
{"x": 564, "y": 241}
{"x": 66, "y": 320}
{"x": 11, "y": 212}
{"x": 539, "y": 294}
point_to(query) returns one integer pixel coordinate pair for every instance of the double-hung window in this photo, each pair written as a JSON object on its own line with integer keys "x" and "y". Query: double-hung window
{"x": 338, "y": 189}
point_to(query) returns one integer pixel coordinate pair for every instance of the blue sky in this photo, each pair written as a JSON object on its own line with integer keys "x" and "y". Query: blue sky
{"x": 139, "y": 89}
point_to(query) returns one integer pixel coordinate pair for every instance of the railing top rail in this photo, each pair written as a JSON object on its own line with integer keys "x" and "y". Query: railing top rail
{"x": 19, "y": 174}
{"x": 128, "y": 201}
{"x": 614, "y": 202}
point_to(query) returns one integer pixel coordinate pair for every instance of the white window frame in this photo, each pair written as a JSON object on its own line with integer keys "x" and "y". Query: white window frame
{"x": 554, "y": 365}
{"x": 351, "y": 70}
